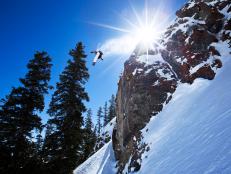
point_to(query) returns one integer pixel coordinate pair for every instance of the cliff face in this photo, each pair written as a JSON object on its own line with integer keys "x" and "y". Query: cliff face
{"x": 188, "y": 50}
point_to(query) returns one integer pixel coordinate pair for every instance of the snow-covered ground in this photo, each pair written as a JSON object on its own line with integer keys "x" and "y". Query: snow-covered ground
{"x": 107, "y": 130}
{"x": 191, "y": 135}
{"x": 101, "y": 162}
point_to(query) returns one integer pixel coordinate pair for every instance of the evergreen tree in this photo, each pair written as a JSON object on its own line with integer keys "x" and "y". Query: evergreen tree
{"x": 63, "y": 147}
{"x": 95, "y": 132}
{"x": 112, "y": 107}
{"x": 19, "y": 118}
{"x": 89, "y": 136}
{"x": 105, "y": 115}
{"x": 88, "y": 121}
{"x": 99, "y": 124}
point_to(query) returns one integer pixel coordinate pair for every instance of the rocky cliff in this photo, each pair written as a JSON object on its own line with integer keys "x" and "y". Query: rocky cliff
{"x": 188, "y": 50}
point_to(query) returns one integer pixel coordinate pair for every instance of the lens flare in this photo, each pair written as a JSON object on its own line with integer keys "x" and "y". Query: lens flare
{"x": 145, "y": 29}
{"x": 146, "y": 35}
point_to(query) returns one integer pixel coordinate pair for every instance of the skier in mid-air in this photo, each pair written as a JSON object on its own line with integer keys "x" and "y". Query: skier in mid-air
{"x": 98, "y": 55}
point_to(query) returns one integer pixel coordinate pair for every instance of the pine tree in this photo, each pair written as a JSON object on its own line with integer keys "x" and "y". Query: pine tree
{"x": 112, "y": 108}
{"x": 19, "y": 118}
{"x": 63, "y": 147}
{"x": 88, "y": 121}
{"x": 95, "y": 132}
{"x": 105, "y": 115}
{"x": 89, "y": 136}
{"x": 99, "y": 122}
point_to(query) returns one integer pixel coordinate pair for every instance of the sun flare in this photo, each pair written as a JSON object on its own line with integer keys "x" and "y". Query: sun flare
{"x": 143, "y": 29}
{"x": 143, "y": 34}
{"x": 146, "y": 35}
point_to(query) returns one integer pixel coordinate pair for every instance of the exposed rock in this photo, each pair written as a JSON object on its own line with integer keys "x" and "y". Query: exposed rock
{"x": 147, "y": 83}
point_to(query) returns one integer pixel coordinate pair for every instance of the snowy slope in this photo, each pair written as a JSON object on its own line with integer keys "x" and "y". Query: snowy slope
{"x": 107, "y": 130}
{"x": 191, "y": 135}
{"x": 101, "y": 162}
{"x": 105, "y": 135}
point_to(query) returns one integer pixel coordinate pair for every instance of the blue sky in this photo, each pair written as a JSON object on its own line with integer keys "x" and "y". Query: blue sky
{"x": 56, "y": 26}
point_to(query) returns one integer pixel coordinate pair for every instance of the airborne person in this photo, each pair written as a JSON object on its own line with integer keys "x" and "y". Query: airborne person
{"x": 98, "y": 55}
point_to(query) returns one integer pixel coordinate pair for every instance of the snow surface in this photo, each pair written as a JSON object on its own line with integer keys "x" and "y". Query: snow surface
{"x": 191, "y": 135}
{"x": 190, "y": 5}
{"x": 209, "y": 61}
{"x": 137, "y": 70}
{"x": 167, "y": 75}
{"x": 102, "y": 162}
{"x": 107, "y": 130}
{"x": 154, "y": 60}
{"x": 150, "y": 59}
{"x": 183, "y": 27}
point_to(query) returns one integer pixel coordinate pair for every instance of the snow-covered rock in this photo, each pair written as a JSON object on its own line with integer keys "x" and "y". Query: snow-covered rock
{"x": 191, "y": 135}
{"x": 195, "y": 46}
{"x": 173, "y": 104}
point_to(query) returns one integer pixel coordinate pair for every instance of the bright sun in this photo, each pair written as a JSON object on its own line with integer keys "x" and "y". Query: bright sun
{"x": 144, "y": 29}
{"x": 145, "y": 35}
